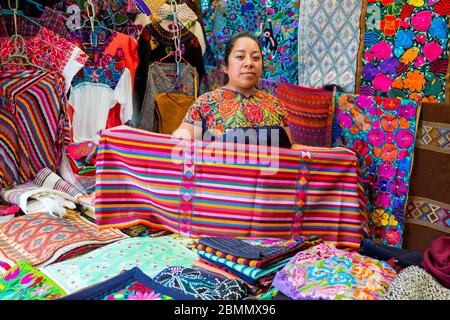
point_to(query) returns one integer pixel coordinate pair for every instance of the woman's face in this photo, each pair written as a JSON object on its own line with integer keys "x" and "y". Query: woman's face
{"x": 244, "y": 64}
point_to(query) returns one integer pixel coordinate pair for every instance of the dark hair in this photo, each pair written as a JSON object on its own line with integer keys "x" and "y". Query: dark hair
{"x": 230, "y": 44}
{"x": 330, "y": 87}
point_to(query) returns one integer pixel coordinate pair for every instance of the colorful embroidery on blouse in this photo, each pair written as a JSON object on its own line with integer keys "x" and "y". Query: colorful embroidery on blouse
{"x": 225, "y": 109}
{"x": 108, "y": 74}
{"x": 46, "y": 49}
{"x": 275, "y": 24}
{"x": 405, "y": 54}
{"x": 382, "y": 132}
{"x": 23, "y": 282}
{"x": 326, "y": 273}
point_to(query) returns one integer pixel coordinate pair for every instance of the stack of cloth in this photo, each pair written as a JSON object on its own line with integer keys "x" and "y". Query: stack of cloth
{"x": 254, "y": 261}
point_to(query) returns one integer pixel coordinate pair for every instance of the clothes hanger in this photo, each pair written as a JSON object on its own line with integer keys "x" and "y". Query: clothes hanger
{"x": 38, "y": 6}
{"x": 93, "y": 23}
{"x": 20, "y": 55}
{"x": 19, "y": 13}
{"x": 17, "y": 37}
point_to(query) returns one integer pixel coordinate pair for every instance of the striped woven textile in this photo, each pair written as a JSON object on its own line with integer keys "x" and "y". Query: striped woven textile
{"x": 310, "y": 113}
{"x": 32, "y": 111}
{"x": 185, "y": 187}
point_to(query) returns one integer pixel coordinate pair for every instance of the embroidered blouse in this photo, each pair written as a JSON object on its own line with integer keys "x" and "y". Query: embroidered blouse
{"x": 223, "y": 109}
{"x": 48, "y": 50}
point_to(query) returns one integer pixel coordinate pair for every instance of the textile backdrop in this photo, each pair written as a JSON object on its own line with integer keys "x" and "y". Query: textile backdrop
{"x": 187, "y": 187}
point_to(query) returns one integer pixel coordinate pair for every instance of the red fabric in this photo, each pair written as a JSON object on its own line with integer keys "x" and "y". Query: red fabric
{"x": 436, "y": 260}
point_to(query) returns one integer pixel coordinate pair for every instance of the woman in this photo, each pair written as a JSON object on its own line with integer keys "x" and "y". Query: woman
{"x": 239, "y": 111}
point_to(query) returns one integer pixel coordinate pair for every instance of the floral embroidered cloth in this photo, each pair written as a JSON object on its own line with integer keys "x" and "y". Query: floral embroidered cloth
{"x": 382, "y": 132}
{"x": 132, "y": 284}
{"x": 405, "y": 49}
{"x": 151, "y": 255}
{"x": 41, "y": 238}
{"x": 23, "y": 282}
{"x": 275, "y": 23}
{"x": 326, "y": 273}
{"x": 224, "y": 109}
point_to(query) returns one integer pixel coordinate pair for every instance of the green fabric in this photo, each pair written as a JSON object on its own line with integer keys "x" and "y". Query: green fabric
{"x": 151, "y": 255}
{"x": 23, "y": 282}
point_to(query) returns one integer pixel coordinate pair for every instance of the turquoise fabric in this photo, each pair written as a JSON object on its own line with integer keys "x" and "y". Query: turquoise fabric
{"x": 151, "y": 255}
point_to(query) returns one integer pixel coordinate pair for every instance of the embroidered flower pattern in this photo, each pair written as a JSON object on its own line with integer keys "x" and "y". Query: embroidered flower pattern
{"x": 407, "y": 54}
{"x": 223, "y": 109}
{"x": 324, "y": 272}
{"x": 384, "y": 154}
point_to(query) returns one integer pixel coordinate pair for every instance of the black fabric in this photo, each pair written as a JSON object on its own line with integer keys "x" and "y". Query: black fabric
{"x": 155, "y": 43}
{"x": 239, "y": 248}
{"x": 404, "y": 258}
{"x": 270, "y": 136}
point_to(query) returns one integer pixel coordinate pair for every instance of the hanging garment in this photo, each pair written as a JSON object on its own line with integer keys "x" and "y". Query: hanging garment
{"x": 155, "y": 43}
{"x": 50, "y": 18}
{"x": 201, "y": 188}
{"x": 186, "y": 16}
{"x": 111, "y": 46}
{"x": 328, "y": 43}
{"x": 405, "y": 52}
{"x": 275, "y": 24}
{"x": 427, "y": 213}
{"x": 326, "y": 273}
{"x": 310, "y": 114}
{"x": 94, "y": 92}
{"x": 132, "y": 284}
{"x": 48, "y": 50}
{"x": 151, "y": 255}
{"x": 32, "y": 113}
{"x": 40, "y": 238}
{"x": 23, "y": 282}
{"x": 162, "y": 78}
{"x": 382, "y": 132}
{"x": 112, "y": 13}
{"x": 171, "y": 109}
{"x": 200, "y": 285}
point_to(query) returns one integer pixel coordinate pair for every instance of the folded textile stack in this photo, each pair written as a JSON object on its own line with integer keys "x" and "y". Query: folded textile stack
{"x": 254, "y": 261}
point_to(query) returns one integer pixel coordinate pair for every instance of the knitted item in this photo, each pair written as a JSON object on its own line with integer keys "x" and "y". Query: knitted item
{"x": 414, "y": 283}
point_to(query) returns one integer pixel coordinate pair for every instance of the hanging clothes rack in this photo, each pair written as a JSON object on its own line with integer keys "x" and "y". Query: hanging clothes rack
{"x": 19, "y": 52}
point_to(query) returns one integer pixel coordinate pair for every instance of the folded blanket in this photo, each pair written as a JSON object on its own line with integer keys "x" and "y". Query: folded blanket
{"x": 290, "y": 249}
